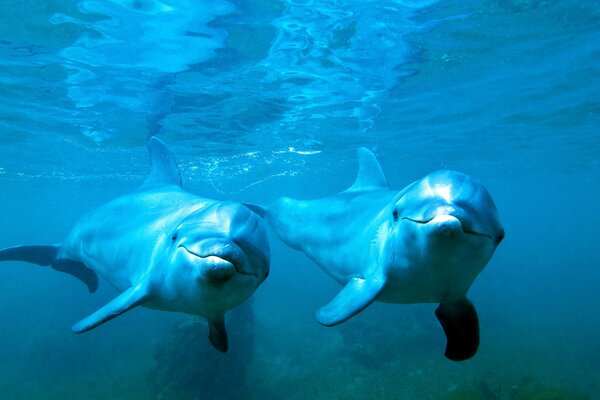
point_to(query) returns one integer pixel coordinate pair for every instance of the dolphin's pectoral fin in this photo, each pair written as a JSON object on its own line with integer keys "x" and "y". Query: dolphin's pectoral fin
{"x": 79, "y": 270}
{"x": 127, "y": 300}
{"x": 461, "y": 326}
{"x": 354, "y": 297}
{"x": 46, "y": 255}
{"x": 163, "y": 168}
{"x": 217, "y": 333}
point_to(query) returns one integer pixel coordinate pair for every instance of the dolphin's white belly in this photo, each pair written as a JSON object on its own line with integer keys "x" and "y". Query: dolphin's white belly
{"x": 433, "y": 269}
{"x": 426, "y": 283}
{"x": 121, "y": 240}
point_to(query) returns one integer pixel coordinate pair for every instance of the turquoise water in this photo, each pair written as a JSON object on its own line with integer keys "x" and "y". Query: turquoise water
{"x": 263, "y": 99}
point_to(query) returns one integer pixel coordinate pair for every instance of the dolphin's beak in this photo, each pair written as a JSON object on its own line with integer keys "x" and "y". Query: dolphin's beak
{"x": 214, "y": 268}
{"x": 219, "y": 269}
{"x": 224, "y": 258}
{"x": 446, "y": 224}
{"x": 448, "y": 219}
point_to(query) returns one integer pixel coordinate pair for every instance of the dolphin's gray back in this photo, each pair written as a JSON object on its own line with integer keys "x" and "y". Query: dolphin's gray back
{"x": 120, "y": 239}
{"x": 316, "y": 226}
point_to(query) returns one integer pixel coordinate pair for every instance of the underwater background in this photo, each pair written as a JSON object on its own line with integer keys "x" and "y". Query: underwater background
{"x": 265, "y": 98}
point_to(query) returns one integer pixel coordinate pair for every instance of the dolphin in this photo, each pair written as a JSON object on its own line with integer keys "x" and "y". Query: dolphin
{"x": 163, "y": 248}
{"x": 424, "y": 244}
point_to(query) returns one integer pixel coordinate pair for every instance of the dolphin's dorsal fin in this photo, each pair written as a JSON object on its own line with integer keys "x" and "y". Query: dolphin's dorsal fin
{"x": 370, "y": 176}
{"x": 131, "y": 298}
{"x": 353, "y": 298}
{"x": 163, "y": 168}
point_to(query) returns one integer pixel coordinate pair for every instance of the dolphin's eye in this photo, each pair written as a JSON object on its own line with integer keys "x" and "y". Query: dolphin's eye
{"x": 395, "y": 215}
{"x": 174, "y": 237}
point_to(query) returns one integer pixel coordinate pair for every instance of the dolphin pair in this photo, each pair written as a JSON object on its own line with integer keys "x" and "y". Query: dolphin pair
{"x": 163, "y": 248}
{"x": 424, "y": 244}
{"x": 167, "y": 249}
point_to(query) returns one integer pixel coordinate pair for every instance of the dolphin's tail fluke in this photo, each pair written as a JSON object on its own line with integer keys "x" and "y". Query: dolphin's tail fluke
{"x": 40, "y": 255}
{"x": 47, "y": 256}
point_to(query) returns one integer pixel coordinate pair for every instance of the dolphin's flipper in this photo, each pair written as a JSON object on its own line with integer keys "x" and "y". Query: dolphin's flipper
{"x": 461, "y": 325}
{"x": 370, "y": 176}
{"x": 163, "y": 168}
{"x": 354, "y": 297}
{"x": 127, "y": 300}
{"x": 217, "y": 333}
{"x": 46, "y": 256}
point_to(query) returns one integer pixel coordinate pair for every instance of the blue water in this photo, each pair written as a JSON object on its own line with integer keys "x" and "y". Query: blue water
{"x": 266, "y": 98}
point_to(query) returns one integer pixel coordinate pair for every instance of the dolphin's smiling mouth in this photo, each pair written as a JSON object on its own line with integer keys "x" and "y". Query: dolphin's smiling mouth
{"x": 227, "y": 259}
{"x": 465, "y": 229}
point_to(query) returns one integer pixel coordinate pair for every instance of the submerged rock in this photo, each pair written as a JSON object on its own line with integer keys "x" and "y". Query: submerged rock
{"x": 187, "y": 367}
{"x": 541, "y": 392}
{"x": 466, "y": 393}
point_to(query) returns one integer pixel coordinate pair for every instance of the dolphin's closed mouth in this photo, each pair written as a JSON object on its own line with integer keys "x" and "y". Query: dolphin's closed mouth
{"x": 464, "y": 229}
{"x": 224, "y": 257}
